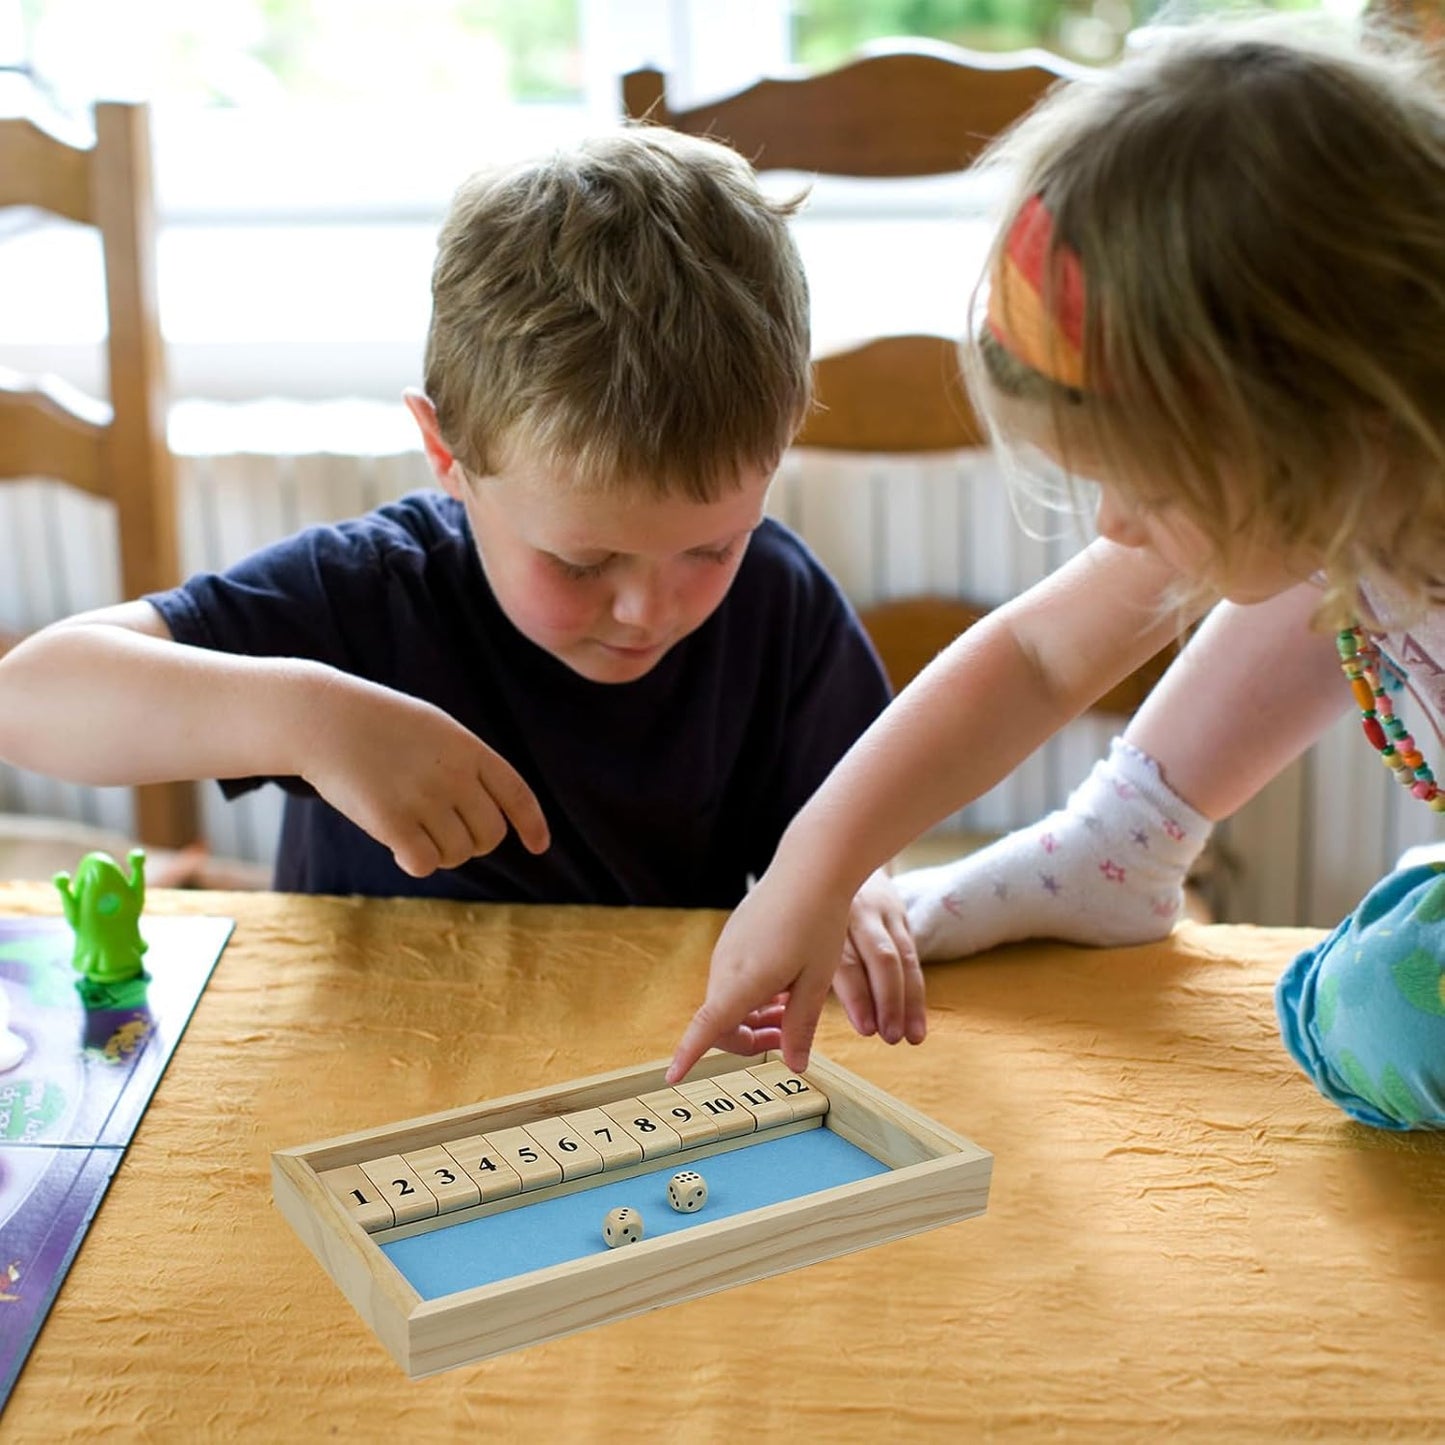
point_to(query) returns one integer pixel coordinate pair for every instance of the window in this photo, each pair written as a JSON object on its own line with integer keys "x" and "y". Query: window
{"x": 306, "y": 149}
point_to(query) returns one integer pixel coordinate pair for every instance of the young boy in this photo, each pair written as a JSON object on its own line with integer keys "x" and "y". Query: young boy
{"x": 590, "y": 672}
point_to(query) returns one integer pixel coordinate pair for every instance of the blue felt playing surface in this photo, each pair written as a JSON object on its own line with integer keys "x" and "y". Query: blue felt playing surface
{"x": 553, "y": 1231}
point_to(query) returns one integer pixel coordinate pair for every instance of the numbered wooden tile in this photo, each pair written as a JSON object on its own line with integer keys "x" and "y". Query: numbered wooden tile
{"x": 644, "y": 1126}
{"x": 484, "y": 1166}
{"x": 806, "y": 1100}
{"x": 616, "y": 1146}
{"x": 720, "y": 1108}
{"x": 576, "y": 1156}
{"x": 447, "y": 1180}
{"x": 681, "y": 1115}
{"x": 766, "y": 1106}
{"x": 363, "y": 1200}
{"x": 398, "y": 1181}
{"x": 536, "y": 1167}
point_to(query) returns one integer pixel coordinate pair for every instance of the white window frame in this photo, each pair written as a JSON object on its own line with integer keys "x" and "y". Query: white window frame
{"x": 242, "y": 197}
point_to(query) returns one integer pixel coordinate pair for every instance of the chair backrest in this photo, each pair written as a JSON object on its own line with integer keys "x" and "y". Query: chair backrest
{"x": 920, "y": 112}
{"x": 118, "y": 453}
{"x": 892, "y": 113}
{"x": 923, "y": 112}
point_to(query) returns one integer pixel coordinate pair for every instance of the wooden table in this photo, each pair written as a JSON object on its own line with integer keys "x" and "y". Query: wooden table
{"x": 1183, "y": 1240}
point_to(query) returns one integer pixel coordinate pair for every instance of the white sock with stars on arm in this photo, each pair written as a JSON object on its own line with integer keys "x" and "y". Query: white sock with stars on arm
{"x": 1108, "y": 868}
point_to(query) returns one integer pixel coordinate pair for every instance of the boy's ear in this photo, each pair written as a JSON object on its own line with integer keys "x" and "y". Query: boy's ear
{"x": 438, "y": 453}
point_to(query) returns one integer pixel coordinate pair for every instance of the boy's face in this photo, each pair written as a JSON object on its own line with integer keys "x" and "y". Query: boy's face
{"x": 607, "y": 583}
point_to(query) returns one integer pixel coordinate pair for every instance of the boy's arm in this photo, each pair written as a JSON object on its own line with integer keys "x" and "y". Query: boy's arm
{"x": 109, "y": 697}
{"x": 969, "y": 718}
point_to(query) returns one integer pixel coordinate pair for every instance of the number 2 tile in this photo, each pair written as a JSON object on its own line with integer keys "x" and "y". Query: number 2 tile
{"x": 400, "y": 1186}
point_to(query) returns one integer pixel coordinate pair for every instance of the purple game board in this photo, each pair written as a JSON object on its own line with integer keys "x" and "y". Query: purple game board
{"x": 69, "y": 1107}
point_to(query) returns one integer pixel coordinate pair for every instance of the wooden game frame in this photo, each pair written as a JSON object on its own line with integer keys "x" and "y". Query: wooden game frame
{"x": 935, "y": 1177}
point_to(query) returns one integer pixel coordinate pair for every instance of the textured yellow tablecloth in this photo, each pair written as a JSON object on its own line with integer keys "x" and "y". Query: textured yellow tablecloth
{"x": 1183, "y": 1240}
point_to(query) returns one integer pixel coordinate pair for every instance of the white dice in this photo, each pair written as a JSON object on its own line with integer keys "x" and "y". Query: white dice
{"x": 622, "y": 1226}
{"x": 687, "y": 1191}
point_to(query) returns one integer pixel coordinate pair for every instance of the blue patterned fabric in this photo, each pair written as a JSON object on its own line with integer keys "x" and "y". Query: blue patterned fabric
{"x": 1363, "y": 1013}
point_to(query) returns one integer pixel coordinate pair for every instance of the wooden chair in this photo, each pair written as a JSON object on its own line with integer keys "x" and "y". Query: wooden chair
{"x": 926, "y": 111}
{"x": 922, "y": 112}
{"x": 117, "y": 452}
{"x": 893, "y": 114}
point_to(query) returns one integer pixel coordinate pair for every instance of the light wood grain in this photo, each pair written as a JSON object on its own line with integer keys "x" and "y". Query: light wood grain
{"x": 914, "y": 112}
{"x": 123, "y": 456}
{"x": 1172, "y": 1213}
{"x": 943, "y": 1178}
{"x": 39, "y": 168}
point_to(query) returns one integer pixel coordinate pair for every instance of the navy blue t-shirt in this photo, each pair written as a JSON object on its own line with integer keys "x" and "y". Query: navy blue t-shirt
{"x": 667, "y": 791}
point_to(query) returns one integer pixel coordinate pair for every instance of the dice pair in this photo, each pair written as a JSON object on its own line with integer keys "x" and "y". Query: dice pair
{"x": 686, "y": 1193}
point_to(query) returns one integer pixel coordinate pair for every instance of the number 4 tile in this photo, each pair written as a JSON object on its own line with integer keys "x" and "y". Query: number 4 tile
{"x": 481, "y": 1163}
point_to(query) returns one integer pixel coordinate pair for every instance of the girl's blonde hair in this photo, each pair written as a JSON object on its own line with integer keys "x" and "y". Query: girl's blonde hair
{"x": 1260, "y": 220}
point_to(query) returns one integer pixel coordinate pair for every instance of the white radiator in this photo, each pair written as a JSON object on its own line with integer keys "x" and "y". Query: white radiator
{"x": 1301, "y": 853}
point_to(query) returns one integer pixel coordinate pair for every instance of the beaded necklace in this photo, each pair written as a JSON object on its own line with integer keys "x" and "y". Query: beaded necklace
{"x": 1360, "y": 659}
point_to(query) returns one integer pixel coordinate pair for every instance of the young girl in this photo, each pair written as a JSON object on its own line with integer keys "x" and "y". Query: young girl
{"x": 1218, "y": 296}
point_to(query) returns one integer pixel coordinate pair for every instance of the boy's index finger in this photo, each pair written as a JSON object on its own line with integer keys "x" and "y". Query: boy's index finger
{"x": 519, "y": 805}
{"x": 527, "y": 818}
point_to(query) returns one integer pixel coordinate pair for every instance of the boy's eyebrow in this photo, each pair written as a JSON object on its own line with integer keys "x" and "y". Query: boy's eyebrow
{"x": 725, "y": 540}
{"x": 580, "y": 557}
{"x": 603, "y": 554}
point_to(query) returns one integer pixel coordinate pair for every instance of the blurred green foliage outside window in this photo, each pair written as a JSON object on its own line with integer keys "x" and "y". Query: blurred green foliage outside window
{"x": 826, "y": 32}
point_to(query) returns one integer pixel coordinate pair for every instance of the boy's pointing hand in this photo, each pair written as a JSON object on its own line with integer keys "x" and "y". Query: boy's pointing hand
{"x": 416, "y": 780}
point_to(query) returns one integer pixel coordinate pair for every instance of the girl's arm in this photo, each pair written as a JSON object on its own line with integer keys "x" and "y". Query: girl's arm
{"x": 1252, "y": 690}
{"x": 1254, "y": 687}
{"x": 109, "y": 697}
{"x": 965, "y": 722}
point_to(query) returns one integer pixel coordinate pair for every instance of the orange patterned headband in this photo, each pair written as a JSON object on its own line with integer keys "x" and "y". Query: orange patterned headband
{"x": 1047, "y": 337}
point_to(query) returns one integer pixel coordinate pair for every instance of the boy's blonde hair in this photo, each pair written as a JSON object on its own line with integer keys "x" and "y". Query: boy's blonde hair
{"x": 1259, "y": 216}
{"x": 634, "y": 309}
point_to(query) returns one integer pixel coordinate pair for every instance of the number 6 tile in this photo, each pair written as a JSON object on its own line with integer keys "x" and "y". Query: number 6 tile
{"x": 576, "y": 1156}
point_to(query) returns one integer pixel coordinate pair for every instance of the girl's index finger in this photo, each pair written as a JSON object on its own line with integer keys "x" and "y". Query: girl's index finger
{"x": 696, "y": 1040}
